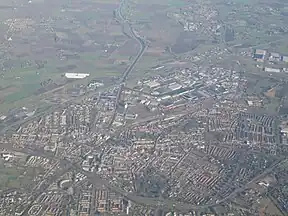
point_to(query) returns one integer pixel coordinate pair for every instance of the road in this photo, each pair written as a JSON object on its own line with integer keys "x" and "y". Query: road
{"x": 152, "y": 202}
{"x": 96, "y": 179}
{"x": 129, "y": 69}
{"x": 142, "y": 44}
{"x": 133, "y": 35}
{"x": 122, "y": 79}
{"x": 45, "y": 184}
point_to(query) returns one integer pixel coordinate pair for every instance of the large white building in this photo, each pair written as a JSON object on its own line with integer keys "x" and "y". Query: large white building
{"x": 76, "y": 75}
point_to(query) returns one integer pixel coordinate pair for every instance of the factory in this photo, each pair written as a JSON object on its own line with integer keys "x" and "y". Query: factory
{"x": 259, "y": 55}
{"x": 76, "y": 75}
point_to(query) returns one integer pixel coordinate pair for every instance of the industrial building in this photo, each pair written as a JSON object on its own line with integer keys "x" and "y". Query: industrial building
{"x": 76, "y": 75}
{"x": 259, "y": 55}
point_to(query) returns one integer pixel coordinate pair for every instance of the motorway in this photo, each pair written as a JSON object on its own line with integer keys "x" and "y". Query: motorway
{"x": 169, "y": 204}
{"x": 96, "y": 179}
{"x": 123, "y": 78}
{"x": 127, "y": 72}
{"x": 137, "y": 38}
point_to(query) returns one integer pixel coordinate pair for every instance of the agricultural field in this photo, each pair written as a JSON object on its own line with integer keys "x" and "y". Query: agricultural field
{"x": 37, "y": 49}
{"x": 14, "y": 174}
{"x": 42, "y": 40}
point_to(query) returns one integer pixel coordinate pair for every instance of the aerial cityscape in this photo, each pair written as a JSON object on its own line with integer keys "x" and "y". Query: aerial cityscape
{"x": 144, "y": 108}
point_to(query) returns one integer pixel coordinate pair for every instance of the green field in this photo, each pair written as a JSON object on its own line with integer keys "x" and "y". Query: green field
{"x": 174, "y": 3}
{"x": 22, "y": 83}
{"x": 12, "y": 177}
{"x": 62, "y": 50}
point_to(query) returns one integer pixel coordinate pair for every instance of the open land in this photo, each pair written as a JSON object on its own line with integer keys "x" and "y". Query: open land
{"x": 133, "y": 107}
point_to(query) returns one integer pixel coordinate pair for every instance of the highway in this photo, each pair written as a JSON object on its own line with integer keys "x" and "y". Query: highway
{"x": 137, "y": 38}
{"x": 139, "y": 55}
{"x": 122, "y": 79}
{"x": 129, "y": 69}
{"x": 95, "y": 179}
{"x": 151, "y": 202}
{"x": 133, "y": 35}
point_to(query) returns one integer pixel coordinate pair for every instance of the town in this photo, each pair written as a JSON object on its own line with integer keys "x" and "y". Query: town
{"x": 204, "y": 133}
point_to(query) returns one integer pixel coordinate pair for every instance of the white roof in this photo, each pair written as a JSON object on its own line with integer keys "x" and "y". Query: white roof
{"x": 174, "y": 86}
{"x": 284, "y": 130}
{"x": 277, "y": 55}
{"x": 3, "y": 117}
{"x": 153, "y": 84}
{"x": 272, "y": 69}
{"x": 250, "y": 103}
{"x": 260, "y": 52}
{"x": 76, "y": 75}
{"x": 285, "y": 58}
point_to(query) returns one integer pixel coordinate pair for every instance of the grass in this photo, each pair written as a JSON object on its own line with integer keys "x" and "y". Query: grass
{"x": 24, "y": 92}
{"x": 273, "y": 105}
{"x": 148, "y": 61}
{"x": 9, "y": 177}
{"x": 107, "y": 1}
{"x": 174, "y": 3}
{"x": 242, "y": 1}
{"x": 24, "y": 82}
{"x": 29, "y": 79}
{"x": 27, "y": 83}
{"x": 12, "y": 177}
{"x": 89, "y": 56}
{"x": 24, "y": 96}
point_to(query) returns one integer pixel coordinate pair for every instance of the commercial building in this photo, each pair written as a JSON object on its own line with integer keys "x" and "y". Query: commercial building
{"x": 259, "y": 55}
{"x": 76, "y": 75}
{"x": 272, "y": 70}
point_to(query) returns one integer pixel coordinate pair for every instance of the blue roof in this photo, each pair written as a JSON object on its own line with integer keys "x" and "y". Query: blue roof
{"x": 258, "y": 56}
